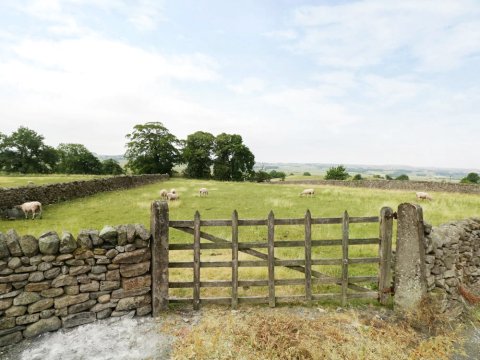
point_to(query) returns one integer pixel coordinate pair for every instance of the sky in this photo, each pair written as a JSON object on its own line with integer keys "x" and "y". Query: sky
{"x": 343, "y": 82}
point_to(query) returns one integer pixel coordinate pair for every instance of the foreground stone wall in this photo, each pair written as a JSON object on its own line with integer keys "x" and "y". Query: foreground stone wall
{"x": 58, "y": 282}
{"x": 453, "y": 258}
{"x": 53, "y": 193}
{"x": 393, "y": 185}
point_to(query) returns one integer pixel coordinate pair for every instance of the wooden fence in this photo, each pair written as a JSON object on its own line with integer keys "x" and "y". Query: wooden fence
{"x": 160, "y": 225}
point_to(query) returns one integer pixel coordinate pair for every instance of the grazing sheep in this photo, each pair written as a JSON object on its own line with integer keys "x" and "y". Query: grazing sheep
{"x": 163, "y": 194}
{"x": 172, "y": 196}
{"x": 423, "y": 196}
{"x": 203, "y": 192}
{"x": 32, "y": 206}
{"x": 308, "y": 192}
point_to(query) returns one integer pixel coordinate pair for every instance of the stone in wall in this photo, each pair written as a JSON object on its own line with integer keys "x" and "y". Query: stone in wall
{"x": 51, "y": 282}
{"x": 453, "y": 260}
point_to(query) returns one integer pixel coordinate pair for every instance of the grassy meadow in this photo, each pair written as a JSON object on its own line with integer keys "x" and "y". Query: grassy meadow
{"x": 252, "y": 201}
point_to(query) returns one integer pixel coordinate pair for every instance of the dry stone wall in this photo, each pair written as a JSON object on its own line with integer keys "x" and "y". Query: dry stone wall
{"x": 453, "y": 259}
{"x": 59, "y": 281}
{"x": 53, "y": 193}
{"x": 393, "y": 185}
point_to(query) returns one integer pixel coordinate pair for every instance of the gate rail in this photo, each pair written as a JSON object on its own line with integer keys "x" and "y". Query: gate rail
{"x": 160, "y": 225}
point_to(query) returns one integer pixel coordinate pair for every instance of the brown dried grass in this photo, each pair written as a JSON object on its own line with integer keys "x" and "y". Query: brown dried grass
{"x": 306, "y": 333}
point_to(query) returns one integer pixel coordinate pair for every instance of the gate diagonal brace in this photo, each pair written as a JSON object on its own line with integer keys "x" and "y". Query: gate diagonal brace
{"x": 263, "y": 256}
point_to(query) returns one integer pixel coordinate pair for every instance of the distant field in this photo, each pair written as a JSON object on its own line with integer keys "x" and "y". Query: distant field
{"x": 16, "y": 180}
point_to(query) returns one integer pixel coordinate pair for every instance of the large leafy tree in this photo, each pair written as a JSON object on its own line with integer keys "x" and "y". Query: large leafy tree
{"x": 24, "y": 151}
{"x": 77, "y": 159}
{"x": 471, "y": 178}
{"x": 233, "y": 159}
{"x": 111, "y": 167}
{"x": 152, "y": 149}
{"x": 197, "y": 154}
{"x": 337, "y": 173}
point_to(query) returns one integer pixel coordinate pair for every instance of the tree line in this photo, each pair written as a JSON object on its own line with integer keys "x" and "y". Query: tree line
{"x": 151, "y": 149}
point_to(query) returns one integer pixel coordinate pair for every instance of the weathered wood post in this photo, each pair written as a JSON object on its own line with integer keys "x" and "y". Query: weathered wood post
{"x": 271, "y": 259}
{"x": 196, "y": 261}
{"x": 308, "y": 256}
{"x": 345, "y": 238}
{"x": 159, "y": 220}
{"x": 385, "y": 254}
{"x": 234, "y": 259}
{"x": 410, "y": 269}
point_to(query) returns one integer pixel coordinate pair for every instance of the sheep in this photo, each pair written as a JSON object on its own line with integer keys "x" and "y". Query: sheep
{"x": 308, "y": 192}
{"x": 173, "y": 191}
{"x": 163, "y": 194}
{"x": 423, "y": 196}
{"x": 172, "y": 196}
{"x": 203, "y": 192}
{"x": 31, "y": 206}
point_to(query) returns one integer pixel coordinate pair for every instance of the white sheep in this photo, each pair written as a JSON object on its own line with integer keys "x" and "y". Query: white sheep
{"x": 421, "y": 195}
{"x": 203, "y": 192}
{"x": 163, "y": 194}
{"x": 32, "y": 206}
{"x": 172, "y": 196}
{"x": 173, "y": 191}
{"x": 308, "y": 192}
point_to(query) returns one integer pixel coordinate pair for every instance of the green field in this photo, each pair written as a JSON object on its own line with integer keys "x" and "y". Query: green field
{"x": 252, "y": 201}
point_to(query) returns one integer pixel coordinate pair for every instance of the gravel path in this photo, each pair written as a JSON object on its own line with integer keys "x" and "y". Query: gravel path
{"x": 123, "y": 339}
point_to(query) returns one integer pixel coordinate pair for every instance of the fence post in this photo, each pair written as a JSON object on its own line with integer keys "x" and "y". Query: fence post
{"x": 410, "y": 268}
{"x": 345, "y": 235}
{"x": 159, "y": 264}
{"x": 234, "y": 259}
{"x": 385, "y": 254}
{"x": 308, "y": 256}
{"x": 271, "y": 259}
{"x": 196, "y": 261}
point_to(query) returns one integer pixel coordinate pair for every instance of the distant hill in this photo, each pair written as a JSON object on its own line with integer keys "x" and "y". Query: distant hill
{"x": 414, "y": 173}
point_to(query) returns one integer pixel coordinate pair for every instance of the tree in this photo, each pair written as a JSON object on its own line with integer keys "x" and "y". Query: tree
{"x": 306, "y": 173}
{"x": 197, "y": 154}
{"x": 337, "y": 173}
{"x": 357, "y": 177}
{"x": 233, "y": 160}
{"x": 471, "y": 178}
{"x": 152, "y": 149}
{"x": 402, "y": 177}
{"x": 24, "y": 151}
{"x": 262, "y": 176}
{"x": 111, "y": 167}
{"x": 388, "y": 177}
{"x": 77, "y": 159}
{"x": 278, "y": 175}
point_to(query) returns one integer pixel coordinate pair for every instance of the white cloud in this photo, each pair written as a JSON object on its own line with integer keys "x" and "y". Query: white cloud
{"x": 282, "y": 34}
{"x": 438, "y": 35}
{"x": 248, "y": 86}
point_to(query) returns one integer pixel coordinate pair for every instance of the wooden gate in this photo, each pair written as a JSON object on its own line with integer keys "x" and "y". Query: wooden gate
{"x": 350, "y": 288}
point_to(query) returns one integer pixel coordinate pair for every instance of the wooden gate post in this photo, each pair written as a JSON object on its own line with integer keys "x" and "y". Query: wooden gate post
{"x": 385, "y": 254}
{"x": 159, "y": 225}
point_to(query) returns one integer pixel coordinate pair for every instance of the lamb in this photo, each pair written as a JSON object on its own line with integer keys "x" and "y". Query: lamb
{"x": 172, "y": 196}
{"x": 308, "y": 192}
{"x": 203, "y": 192}
{"x": 32, "y": 206}
{"x": 423, "y": 196}
{"x": 163, "y": 194}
